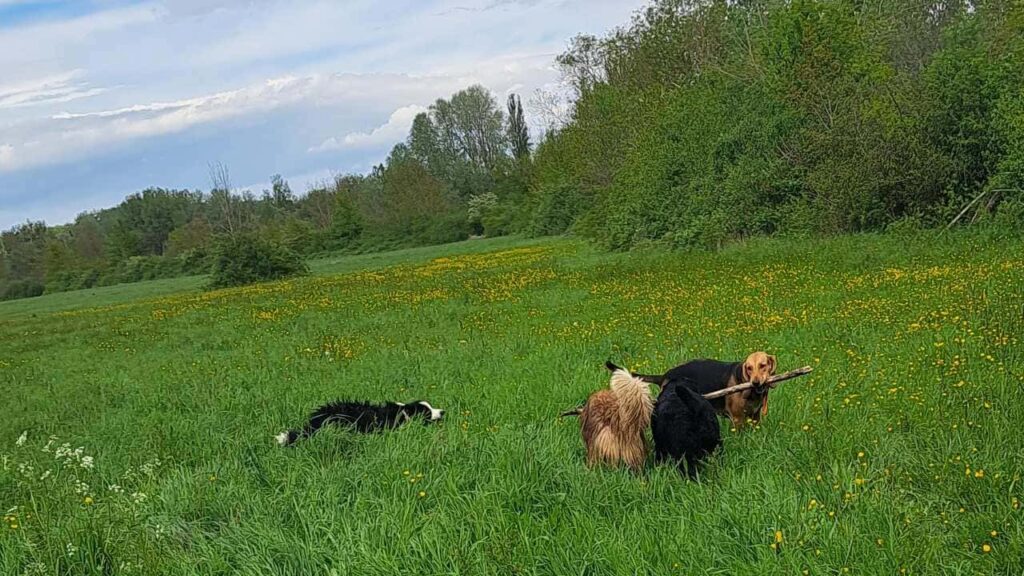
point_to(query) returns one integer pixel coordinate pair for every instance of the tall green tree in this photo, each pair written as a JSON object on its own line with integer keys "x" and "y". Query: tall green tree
{"x": 518, "y": 131}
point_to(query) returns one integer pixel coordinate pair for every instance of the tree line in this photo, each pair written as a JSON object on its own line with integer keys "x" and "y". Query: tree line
{"x": 698, "y": 123}
{"x": 706, "y": 121}
{"x": 440, "y": 185}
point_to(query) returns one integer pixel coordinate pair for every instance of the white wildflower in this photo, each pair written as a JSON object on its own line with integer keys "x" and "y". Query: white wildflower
{"x": 62, "y": 452}
{"x": 115, "y": 489}
{"x": 138, "y": 497}
{"x": 45, "y": 475}
{"x": 86, "y": 462}
{"x": 21, "y": 439}
{"x": 35, "y": 568}
{"x": 71, "y": 549}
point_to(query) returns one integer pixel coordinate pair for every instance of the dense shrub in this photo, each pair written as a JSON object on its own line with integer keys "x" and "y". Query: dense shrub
{"x": 705, "y": 122}
{"x": 248, "y": 258}
{"x": 22, "y": 289}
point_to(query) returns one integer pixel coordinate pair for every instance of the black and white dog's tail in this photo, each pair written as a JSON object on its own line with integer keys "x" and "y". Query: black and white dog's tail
{"x": 322, "y": 415}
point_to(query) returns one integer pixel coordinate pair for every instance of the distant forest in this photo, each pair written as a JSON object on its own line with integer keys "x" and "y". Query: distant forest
{"x": 697, "y": 124}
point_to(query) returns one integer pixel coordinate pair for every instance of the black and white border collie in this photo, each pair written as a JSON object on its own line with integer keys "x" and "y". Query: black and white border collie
{"x": 361, "y": 417}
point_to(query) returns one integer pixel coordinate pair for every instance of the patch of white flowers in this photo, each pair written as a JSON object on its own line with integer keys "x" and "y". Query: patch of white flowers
{"x": 68, "y": 480}
{"x": 35, "y": 569}
{"x": 76, "y": 457}
{"x": 81, "y": 488}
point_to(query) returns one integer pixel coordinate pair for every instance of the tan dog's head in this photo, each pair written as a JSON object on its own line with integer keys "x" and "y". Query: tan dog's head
{"x": 758, "y": 367}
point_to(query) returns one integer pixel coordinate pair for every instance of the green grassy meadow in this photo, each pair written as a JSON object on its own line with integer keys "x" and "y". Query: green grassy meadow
{"x": 901, "y": 454}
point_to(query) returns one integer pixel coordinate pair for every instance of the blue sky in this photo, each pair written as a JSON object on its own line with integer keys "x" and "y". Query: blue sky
{"x": 101, "y": 98}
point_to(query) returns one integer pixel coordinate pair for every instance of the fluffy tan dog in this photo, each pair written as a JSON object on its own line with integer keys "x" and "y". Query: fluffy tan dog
{"x": 613, "y": 421}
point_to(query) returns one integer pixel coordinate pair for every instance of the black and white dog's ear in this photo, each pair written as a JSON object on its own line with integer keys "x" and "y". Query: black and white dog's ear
{"x": 611, "y": 366}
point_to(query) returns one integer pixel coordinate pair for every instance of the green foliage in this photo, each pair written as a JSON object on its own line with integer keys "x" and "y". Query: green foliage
{"x": 518, "y": 131}
{"x": 702, "y": 123}
{"x": 248, "y": 258}
{"x": 22, "y": 289}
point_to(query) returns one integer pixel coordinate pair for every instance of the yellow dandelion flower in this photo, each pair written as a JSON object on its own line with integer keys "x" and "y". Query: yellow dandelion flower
{"x": 994, "y": 533}
{"x": 422, "y": 494}
{"x": 87, "y": 500}
{"x": 778, "y": 536}
{"x": 986, "y": 548}
{"x": 860, "y": 454}
{"x": 979, "y": 473}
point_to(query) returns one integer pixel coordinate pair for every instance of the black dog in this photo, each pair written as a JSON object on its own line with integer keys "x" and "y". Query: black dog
{"x": 361, "y": 417}
{"x": 684, "y": 423}
{"x": 684, "y": 426}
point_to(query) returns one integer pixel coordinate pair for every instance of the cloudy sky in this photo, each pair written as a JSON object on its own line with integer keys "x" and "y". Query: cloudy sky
{"x": 100, "y": 98}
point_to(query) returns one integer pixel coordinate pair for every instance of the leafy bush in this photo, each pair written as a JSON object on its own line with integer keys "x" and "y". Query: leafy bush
{"x": 22, "y": 289}
{"x": 248, "y": 258}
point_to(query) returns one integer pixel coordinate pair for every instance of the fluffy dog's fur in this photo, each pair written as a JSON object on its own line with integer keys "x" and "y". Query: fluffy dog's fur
{"x": 361, "y": 417}
{"x": 684, "y": 427}
{"x": 705, "y": 376}
{"x": 613, "y": 421}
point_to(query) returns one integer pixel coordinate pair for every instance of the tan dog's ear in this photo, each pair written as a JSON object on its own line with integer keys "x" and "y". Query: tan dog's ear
{"x": 748, "y": 370}
{"x": 771, "y": 364}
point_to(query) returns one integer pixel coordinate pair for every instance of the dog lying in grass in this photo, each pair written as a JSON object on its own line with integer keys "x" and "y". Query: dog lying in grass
{"x": 705, "y": 376}
{"x": 361, "y": 417}
{"x": 613, "y": 421}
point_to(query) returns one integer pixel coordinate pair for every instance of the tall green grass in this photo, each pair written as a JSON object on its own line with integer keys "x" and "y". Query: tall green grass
{"x": 902, "y": 451}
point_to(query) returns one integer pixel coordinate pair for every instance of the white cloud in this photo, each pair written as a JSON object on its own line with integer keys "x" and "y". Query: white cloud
{"x": 54, "y": 40}
{"x": 6, "y": 154}
{"x": 67, "y": 136}
{"x": 52, "y": 89}
{"x": 392, "y": 131}
{"x": 142, "y": 94}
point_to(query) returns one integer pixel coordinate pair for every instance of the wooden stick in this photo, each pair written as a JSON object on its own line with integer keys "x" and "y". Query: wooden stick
{"x": 966, "y": 208}
{"x": 771, "y": 382}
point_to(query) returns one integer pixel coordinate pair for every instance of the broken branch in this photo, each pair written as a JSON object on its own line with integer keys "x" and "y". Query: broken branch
{"x": 771, "y": 382}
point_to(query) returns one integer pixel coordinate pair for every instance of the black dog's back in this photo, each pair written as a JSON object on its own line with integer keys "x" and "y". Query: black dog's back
{"x": 684, "y": 426}
{"x": 705, "y": 376}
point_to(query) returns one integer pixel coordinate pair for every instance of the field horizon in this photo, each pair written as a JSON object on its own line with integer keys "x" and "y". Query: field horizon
{"x": 138, "y": 435}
